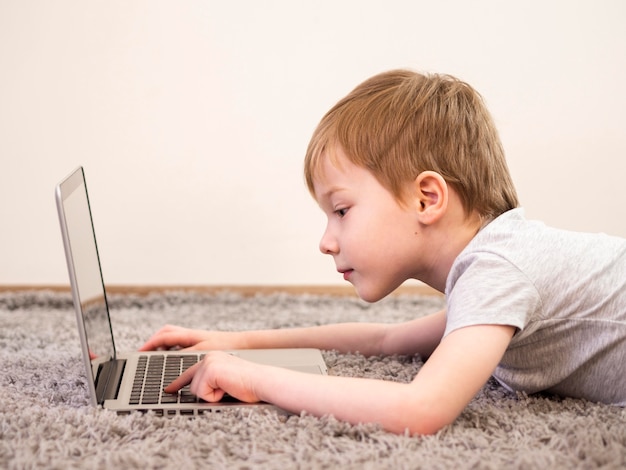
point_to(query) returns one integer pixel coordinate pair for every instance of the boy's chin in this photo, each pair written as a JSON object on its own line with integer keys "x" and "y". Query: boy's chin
{"x": 371, "y": 295}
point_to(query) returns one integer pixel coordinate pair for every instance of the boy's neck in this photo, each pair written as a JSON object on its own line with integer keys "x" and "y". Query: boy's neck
{"x": 450, "y": 237}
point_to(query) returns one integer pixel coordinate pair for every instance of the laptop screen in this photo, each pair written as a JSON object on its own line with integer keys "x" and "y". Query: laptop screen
{"x": 84, "y": 265}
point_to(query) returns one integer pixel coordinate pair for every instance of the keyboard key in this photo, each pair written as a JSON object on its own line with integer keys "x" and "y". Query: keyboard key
{"x": 154, "y": 372}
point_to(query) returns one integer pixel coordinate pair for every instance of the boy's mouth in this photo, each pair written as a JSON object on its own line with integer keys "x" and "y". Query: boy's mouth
{"x": 346, "y": 273}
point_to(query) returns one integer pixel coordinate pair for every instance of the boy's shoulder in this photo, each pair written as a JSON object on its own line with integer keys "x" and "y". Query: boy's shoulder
{"x": 511, "y": 249}
{"x": 519, "y": 272}
{"x": 513, "y": 235}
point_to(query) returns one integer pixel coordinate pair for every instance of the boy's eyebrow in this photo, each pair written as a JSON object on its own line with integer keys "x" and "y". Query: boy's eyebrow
{"x": 330, "y": 191}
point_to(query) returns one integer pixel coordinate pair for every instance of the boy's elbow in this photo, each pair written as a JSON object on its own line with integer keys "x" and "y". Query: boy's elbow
{"x": 421, "y": 426}
{"x": 421, "y": 416}
{"x": 427, "y": 426}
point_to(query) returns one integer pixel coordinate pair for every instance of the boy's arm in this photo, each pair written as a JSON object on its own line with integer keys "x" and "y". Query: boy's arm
{"x": 447, "y": 382}
{"x": 419, "y": 336}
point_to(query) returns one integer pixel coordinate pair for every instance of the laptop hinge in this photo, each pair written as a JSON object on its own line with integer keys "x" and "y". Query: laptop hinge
{"x": 109, "y": 379}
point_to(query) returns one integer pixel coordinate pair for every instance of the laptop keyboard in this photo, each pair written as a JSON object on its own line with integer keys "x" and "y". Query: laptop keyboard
{"x": 157, "y": 371}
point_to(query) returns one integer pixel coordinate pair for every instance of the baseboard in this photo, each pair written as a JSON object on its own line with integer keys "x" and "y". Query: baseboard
{"x": 246, "y": 290}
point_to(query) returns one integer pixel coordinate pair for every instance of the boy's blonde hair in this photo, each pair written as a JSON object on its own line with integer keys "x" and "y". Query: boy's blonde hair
{"x": 400, "y": 123}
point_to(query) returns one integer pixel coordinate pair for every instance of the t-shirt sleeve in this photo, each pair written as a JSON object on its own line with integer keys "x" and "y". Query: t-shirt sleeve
{"x": 486, "y": 289}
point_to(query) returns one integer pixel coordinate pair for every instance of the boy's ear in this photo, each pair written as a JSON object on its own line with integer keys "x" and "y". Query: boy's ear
{"x": 431, "y": 192}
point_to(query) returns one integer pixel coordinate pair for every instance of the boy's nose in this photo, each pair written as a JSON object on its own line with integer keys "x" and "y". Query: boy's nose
{"x": 328, "y": 244}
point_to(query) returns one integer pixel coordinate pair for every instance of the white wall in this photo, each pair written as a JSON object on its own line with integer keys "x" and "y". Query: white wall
{"x": 192, "y": 117}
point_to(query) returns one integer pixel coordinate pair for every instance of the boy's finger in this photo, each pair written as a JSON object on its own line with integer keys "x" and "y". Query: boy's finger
{"x": 165, "y": 340}
{"x": 184, "y": 379}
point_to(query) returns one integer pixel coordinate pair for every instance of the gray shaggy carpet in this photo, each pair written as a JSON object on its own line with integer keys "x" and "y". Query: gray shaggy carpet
{"x": 46, "y": 422}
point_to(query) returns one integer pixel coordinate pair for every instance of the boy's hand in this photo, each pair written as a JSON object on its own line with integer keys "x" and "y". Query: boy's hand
{"x": 217, "y": 374}
{"x": 171, "y": 336}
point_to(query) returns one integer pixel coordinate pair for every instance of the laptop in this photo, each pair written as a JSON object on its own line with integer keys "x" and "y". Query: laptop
{"x": 134, "y": 381}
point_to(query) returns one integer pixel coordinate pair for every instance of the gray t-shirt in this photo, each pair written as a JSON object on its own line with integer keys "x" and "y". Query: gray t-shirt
{"x": 565, "y": 292}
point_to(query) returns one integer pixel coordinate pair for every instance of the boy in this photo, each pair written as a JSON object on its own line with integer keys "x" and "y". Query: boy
{"x": 411, "y": 175}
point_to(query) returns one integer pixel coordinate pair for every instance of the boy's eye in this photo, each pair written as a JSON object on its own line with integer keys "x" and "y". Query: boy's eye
{"x": 341, "y": 212}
